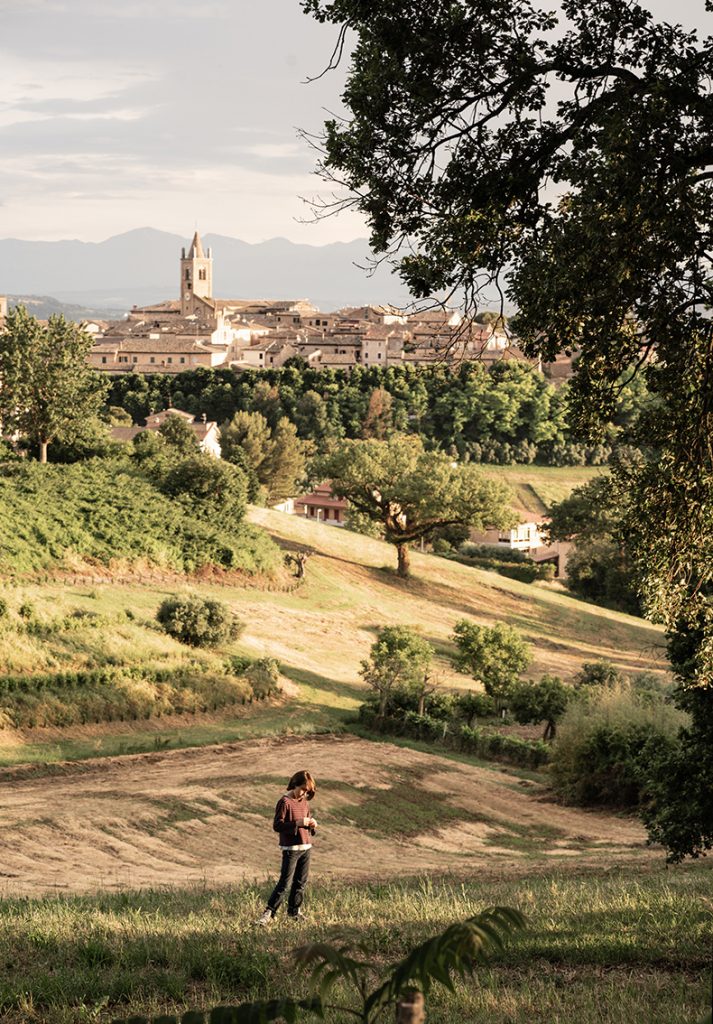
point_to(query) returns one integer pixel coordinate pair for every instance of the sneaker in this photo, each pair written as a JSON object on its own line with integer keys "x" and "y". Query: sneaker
{"x": 298, "y": 915}
{"x": 265, "y": 917}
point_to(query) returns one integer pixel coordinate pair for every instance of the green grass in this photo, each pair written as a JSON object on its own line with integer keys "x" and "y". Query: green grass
{"x": 537, "y": 488}
{"x": 105, "y": 512}
{"x": 619, "y": 948}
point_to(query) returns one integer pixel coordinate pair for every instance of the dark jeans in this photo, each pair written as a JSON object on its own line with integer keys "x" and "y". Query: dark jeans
{"x": 293, "y": 876}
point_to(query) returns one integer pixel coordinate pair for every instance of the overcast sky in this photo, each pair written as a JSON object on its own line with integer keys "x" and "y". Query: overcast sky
{"x": 118, "y": 114}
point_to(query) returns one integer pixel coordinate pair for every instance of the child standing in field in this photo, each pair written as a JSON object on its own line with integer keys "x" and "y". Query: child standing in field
{"x": 295, "y": 827}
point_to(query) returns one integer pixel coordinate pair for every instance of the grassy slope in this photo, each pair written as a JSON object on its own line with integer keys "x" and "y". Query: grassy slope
{"x": 319, "y": 632}
{"x": 599, "y": 948}
{"x": 539, "y": 487}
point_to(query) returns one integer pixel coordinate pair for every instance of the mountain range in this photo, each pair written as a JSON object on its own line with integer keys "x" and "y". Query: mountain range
{"x": 142, "y": 266}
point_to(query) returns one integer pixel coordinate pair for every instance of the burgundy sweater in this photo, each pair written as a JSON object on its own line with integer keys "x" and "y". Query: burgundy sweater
{"x": 289, "y": 821}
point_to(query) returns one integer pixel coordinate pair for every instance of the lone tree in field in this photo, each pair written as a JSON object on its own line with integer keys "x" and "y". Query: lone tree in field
{"x": 399, "y": 660}
{"x": 494, "y": 655}
{"x": 568, "y": 160}
{"x": 412, "y": 492}
{"x": 47, "y": 389}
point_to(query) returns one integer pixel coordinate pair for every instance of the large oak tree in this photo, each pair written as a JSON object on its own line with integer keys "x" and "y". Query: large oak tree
{"x": 412, "y": 492}
{"x": 567, "y": 160}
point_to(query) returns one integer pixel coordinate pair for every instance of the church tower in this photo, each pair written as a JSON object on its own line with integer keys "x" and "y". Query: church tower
{"x": 196, "y": 276}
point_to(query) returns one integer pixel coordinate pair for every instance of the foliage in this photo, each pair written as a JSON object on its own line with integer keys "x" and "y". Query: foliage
{"x": 486, "y": 743}
{"x": 509, "y": 413}
{"x": 209, "y": 487}
{"x": 107, "y": 511}
{"x": 178, "y": 433}
{"x": 494, "y": 655}
{"x": 599, "y": 673}
{"x": 411, "y": 491}
{"x": 263, "y": 674}
{"x": 198, "y": 621}
{"x": 545, "y": 701}
{"x": 399, "y": 660}
{"x": 48, "y": 391}
{"x": 599, "y": 567}
{"x": 607, "y": 744}
{"x": 471, "y": 705}
{"x": 274, "y": 456}
{"x": 127, "y": 694}
{"x": 454, "y": 953}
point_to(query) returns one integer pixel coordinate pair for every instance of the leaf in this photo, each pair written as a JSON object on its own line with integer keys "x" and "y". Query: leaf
{"x": 454, "y": 951}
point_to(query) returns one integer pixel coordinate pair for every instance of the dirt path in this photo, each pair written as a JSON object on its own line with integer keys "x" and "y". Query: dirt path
{"x": 204, "y": 816}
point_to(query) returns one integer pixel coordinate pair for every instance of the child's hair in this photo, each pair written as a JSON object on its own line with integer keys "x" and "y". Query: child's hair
{"x": 303, "y": 779}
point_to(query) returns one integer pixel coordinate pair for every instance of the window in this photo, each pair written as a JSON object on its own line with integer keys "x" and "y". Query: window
{"x": 170, "y": 359}
{"x": 201, "y": 274}
{"x": 135, "y": 359}
{"x": 152, "y": 359}
{"x": 188, "y": 274}
{"x": 379, "y": 356}
{"x": 103, "y": 359}
{"x": 183, "y": 359}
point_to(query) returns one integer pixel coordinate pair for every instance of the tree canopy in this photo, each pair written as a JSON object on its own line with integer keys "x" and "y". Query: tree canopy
{"x": 48, "y": 392}
{"x": 566, "y": 159}
{"x": 411, "y": 491}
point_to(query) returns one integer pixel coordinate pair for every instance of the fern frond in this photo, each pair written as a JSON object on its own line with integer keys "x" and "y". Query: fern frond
{"x": 455, "y": 952}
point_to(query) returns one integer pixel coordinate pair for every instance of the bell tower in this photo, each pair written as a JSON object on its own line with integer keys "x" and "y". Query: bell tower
{"x": 196, "y": 275}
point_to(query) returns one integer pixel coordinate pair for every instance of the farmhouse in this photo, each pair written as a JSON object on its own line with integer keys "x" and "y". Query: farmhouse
{"x": 206, "y": 431}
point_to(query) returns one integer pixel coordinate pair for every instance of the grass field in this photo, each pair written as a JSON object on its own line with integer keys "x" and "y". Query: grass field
{"x": 610, "y": 949}
{"x": 537, "y": 488}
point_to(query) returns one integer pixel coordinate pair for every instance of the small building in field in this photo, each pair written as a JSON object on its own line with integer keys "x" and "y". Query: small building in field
{"x": 322, "y": 506}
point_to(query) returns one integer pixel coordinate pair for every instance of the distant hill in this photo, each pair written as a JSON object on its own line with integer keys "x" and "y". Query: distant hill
{"x": 44, "y": 306}
{"x": 141, "y": 266}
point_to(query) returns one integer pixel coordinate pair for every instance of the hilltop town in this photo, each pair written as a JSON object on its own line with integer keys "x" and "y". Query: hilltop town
{"x": 199, "y": 329}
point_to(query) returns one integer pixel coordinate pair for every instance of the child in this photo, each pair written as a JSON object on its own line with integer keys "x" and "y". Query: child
{"x": 295, "y": 826}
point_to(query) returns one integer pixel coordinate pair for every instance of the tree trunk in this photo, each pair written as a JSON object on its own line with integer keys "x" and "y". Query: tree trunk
{"x": 411, "y": 1009}
{"x": 43, "y": 451}
{"x": 402, "y": 552}
{"x": 550, "y": 731}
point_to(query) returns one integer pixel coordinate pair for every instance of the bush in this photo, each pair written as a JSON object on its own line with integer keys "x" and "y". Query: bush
{"x": 472, "y": 705}
{"x": 599, "y": 673}
{"x": 263, "y": 676}
{"x": 606, "y": 742}
{"x": 485, "y": 743}
{"x": 198, "y": 621}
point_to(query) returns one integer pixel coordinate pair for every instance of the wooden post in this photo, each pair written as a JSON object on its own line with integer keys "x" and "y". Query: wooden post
{"x": 411, "y": 1009}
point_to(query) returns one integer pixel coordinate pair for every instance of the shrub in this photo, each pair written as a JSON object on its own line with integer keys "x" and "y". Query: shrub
{"x": 263, "y": 676}
{"x": 198, "y": 621}
{"x": 4, "y": 608}
{"x": 606, "y": 742}
{"x": 472, "y": 705}
{"x": 27, "y": 611}
{"x": 599, "y": 673}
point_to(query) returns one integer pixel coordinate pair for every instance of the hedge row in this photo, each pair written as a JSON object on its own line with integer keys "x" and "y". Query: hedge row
{"x": 485, "y": 743}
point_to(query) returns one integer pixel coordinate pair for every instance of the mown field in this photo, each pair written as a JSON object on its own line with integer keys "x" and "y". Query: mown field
{"x": 601, "y": 948}
{"x": 537, "y": 488}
